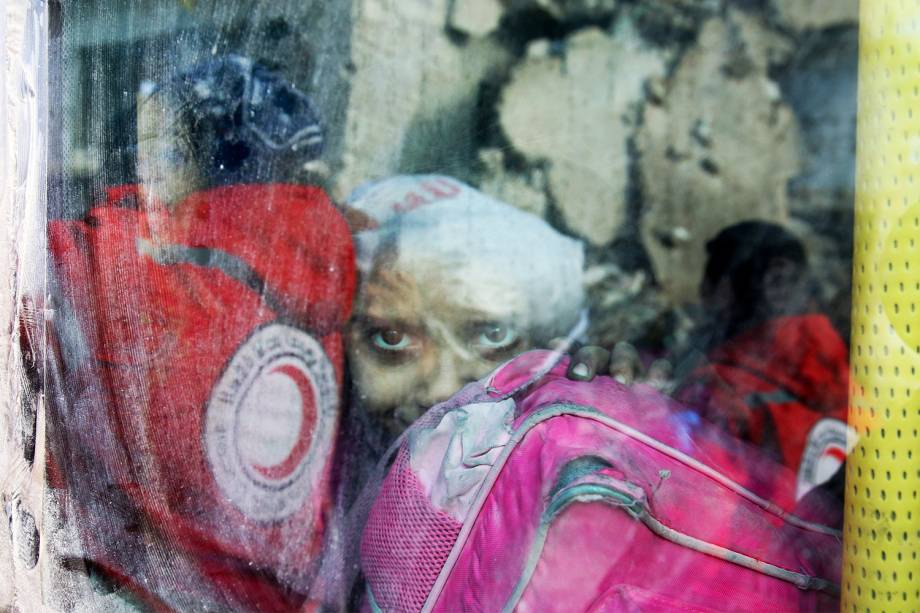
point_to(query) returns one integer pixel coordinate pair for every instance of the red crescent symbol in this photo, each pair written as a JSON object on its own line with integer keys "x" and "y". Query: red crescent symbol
{"x": 837, "y": 453}
{"x": 305, "y": 436}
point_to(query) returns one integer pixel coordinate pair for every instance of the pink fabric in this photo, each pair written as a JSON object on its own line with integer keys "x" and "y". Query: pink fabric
{"x": 597, "y": 556}
{"x": 647, "y": 573}
{"x": 403, "y": 558}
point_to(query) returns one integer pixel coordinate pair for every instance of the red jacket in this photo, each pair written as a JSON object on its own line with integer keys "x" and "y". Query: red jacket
{"x": 772, "y": 385}
{"x": 203, "y": 378}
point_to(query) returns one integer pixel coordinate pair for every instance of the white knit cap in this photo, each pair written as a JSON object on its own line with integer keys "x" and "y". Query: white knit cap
{"x": 447, "y": 233}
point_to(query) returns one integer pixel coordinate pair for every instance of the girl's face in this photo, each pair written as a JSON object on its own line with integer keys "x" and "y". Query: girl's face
{"x": 414, "y": 342}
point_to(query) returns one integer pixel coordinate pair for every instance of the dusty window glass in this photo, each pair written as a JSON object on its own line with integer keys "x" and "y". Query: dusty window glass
{"x": 459, "y": 304}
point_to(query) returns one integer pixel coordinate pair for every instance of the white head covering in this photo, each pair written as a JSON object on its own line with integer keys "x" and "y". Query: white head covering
{"x": 445, "y": 232}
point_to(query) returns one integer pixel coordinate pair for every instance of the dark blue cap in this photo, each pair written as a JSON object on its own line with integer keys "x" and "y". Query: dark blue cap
{"x": 241, "y": 117}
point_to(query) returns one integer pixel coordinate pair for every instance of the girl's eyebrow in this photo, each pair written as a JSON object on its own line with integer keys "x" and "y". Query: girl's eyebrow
{"x": 491, "y": 321}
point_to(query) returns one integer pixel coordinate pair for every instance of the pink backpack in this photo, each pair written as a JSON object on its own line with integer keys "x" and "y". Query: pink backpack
{"x": 531, "y": 492}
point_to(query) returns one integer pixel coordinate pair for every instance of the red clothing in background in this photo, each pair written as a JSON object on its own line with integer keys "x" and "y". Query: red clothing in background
{"x": 782, "y": 386}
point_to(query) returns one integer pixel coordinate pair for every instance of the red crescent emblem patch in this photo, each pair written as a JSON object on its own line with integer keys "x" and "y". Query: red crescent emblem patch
{"x": 270, "y": 421}
{"x": 305, "y": 433}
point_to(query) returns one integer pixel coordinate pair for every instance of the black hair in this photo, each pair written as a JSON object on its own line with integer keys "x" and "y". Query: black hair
{"x": 743, "y": 253}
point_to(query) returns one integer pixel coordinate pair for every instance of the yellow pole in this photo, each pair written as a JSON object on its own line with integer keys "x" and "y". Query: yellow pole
{"x": 881, "y": 569}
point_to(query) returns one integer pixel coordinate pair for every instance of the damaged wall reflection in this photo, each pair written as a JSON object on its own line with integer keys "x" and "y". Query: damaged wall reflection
{"x": 444, "y": 305}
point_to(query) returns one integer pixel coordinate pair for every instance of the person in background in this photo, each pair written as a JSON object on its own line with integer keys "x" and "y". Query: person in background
{"x": 199, "y": 320}
{"x": 776, "y": 371}
{"x": 764, "y": 364}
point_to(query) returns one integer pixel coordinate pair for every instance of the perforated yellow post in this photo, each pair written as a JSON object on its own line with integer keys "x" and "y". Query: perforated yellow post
{"x": 882, "y": 522}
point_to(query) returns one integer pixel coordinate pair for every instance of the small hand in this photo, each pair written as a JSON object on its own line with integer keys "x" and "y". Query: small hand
{"x": 623, "y": 364}
{"x": 587, "y": 362}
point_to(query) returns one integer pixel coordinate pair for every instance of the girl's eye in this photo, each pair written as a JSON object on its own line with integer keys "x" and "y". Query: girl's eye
{"x": 496, "y": 336}
{"x": 390, "y": 340}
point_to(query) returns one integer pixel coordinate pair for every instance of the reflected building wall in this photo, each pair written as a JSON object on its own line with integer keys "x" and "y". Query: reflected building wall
{"x": 596, "y": 119}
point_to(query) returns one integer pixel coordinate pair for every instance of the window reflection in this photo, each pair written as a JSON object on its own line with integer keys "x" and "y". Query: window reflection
{"x": 284, "y": 233}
